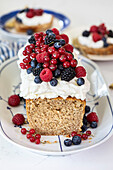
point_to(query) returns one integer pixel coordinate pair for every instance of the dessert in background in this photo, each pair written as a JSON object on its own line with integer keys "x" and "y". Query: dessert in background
{"x": 97, "y": 40}
{"x": 54, "y": 84}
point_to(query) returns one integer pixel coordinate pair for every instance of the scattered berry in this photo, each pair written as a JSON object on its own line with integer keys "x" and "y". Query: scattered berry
{"x": 55, "y": 55}
{"x": 37, "y": 141}
{"x": 38, "y": 136}
{"x": 73, "y": 133}
{"x": 18, "y": 119}
{"x": 14, "y": 100}
{"x": 84, "y": 136}
{"x": 29, "y": 136}
{"x": 88, "y": 132}
{"x": 32, "y": 131}
{"x": 84, "y": 128}
{"x": 67, "y": 142}
{"x": 32, "y": 139}
{"x": 22, "y": 65}
{"x": 87, "y": 109}
{"x": 76, "y": 140}
{"x": 92, "y": 117}
{"x": 23, "y": 131}
{"x": 93, "y": 124}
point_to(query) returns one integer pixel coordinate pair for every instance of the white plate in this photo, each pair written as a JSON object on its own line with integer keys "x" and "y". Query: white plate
{"x": 97, "y": 99}
{"x": 75, "y": 32}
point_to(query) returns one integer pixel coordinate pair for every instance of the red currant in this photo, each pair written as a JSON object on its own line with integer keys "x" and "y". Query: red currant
{"x": 32, "y": 46}
{"x": 62, "y": 58}
{"x": 23, "y": 131}
{"x": 33, "y": 55}
{"x": 46, "y": 65}
{"x": 32, "y": 131}
{"x": 36, "y": 35}
{"x": 66, "y": 64}
{"x": 37, "y": 50}
{"x": 54, "y": 61}
{"x": 46, "y": 58}
{"x": 79, "y": 135}
{"x": 69, "y": 56}
{"x": 38, "y": 136}
{"x": 51, "y": 50}
{"x": 27, "y": 47}
{"x": 29, "y": 51}
{"x": 29, "y": 136}
{"x": 38, "y": 43}
{"x": 27, "y": 66}
{"x": 22, "y": 65}
{"x": 61, "y": 50}
{"x": 56, "y": 55}
{"x": 88, "y": 132}
{"x": 24, "y": 52}
{"x": 73, "y": 63}
{"x": 84, "y": 136}
{"x": 27, "y": 60}
{"x": 37, "y": 141}
{"x": 32, "y": 139}
{"x": 52, "y": 67}
{"x": 44, "y": 48}
{"x": 73, "y": 133}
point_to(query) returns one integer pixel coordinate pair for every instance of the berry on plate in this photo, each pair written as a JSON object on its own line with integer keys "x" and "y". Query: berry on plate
{"x": 92, "y": 117}
{"x": 18, "y": 119}
{"x": 14, "y": 100}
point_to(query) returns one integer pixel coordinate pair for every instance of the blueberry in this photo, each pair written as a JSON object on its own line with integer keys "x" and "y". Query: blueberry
{"x": 87, "y": 109}
{"x": 80, "y": 81}
{"x": 54, "y": 82}
{"x": 84, "y": 128}
{"x": 18, "y": 20}
{"x": 29, "y": 32}
{"x": 62, "y": 42}
{"x": 104, "y": 39}
{"x": 106, "y": 44}
{"x": 49, "y": 31}
{"x": 67, "y": 142}
{"x": 51, "y": 35}
{"x": 60, "y": 66}
{"x": 86, "y": 33}
{"x": 39, "y": 65}
{"x": 29, "y": 70}
{"x": 85, "y": 120}
{"x": 93, "y": 124}
{"x": 76, "y": 140}
{"x": 57, "y": 73}
{"x": 37, "y": 80}
{"x": 34, "y": 63}
{"x": 57, "y": 45}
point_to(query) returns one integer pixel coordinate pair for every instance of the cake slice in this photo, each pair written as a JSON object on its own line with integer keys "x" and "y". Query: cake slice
{"x": 54, "y": 84}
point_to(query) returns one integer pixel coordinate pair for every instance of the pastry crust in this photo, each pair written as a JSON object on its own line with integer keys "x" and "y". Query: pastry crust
{"x": 40, "y": 27}
{"x": 96, "y": 51}
{"x": 55, "y": 116}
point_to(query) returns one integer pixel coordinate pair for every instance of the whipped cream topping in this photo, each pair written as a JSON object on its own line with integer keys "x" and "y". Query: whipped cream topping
{"x": 88, "y": 41}
{"x": 45, "y": 18}
{"x": 30, "y": 90}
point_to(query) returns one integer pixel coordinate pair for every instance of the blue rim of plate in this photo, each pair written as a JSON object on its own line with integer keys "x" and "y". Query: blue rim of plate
{"x": 61, "y": 152}
{"x": 65, "y": 20}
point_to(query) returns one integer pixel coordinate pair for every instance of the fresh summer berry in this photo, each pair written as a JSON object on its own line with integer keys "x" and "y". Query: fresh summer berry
{"x": 44, "y": 48}
{"x": 32, "y": 46}
{"x": 46, "y": 58}
{"x": 27, "y": 47}
{"x": 62, "y": 58}
{"x": 38, "y": 136}
{"x": 61, "y": 50}
{"x": 38, "y": 43}
{"x": 93, "y": 124}
{"x": 85, "y": 120}
{"x": 57, "y": 73}
{"x": 60, "y": 67}
{"x": 29, "y": 32}
{"x": 52, "y": 67}
{"x": 40, "y": 57}
{"x": 88, "y": 132}
{"x": 37, "y": 71}
{"x": 67, "y": 142}
{"x": 79, "y": 135}
{"x": 27, "y": 66}
{"x": 54, "y": 61}
{"x": 84, "y": 136}
{"x": 46, "y": 65}
{"x": 37, "y": 80}
{"x": 33, "y": 63}
{"x": 96, "y": 37}
{"x": 84, "y": 128}
{"x": 92, "y": 117}
{"x": 22, "y": 65}
{"x": 48, "y": 31}
{"x": 18, "y": 119}
{"x": 30, "y": 14}
{"x": 39, "y": 65}
{"x": 62, "y": 42}
{"x": 14, "y": 100}
{"x": 106, "y": 44}
{"x": 80, "y": 71}
{"x": 32, "y": 131}
{"x": 23, "y": 131}
{"x": 37, "y": 141}
{"x": 58, "y": 37}
{"x": 57, "y": 45}
{"x": 87, "y": 109}
{"x": 73, "y": 63}
{"x": 102, "y": 29}
{"x": 86, "y": 33}
{"x": 66, "y": 64}
{"x": 55, "y": 31}
{"x": 32, "y": 139}
{"x": 93, "y": 28}
{"x": 39, "y": 12}
{"x": 37, "y": 50}
{"x": 29, "y": 51}
{"x": 46, "y": 75}
{"x": 67, "y": 74}
{"x": 51, "y": 50}
{"x": 54, "y": 82}
{"x": 24, "y": 52}
{"x": 73, "y": 133}
{"x": 27, "y": 60}
{"x": 36, "y": 35}
{"x": 31, "y": 40}
{"x": 55, "y": 55}
{"x": 65, "y": 37}
{"x": 69, "y": 56}
{"x": 80, "y": 81}
{"x": 76, "y": 140}
{"x": 68, "y": 47}
{"x": 29, "y": 136}
{"x": 33, "y": 55}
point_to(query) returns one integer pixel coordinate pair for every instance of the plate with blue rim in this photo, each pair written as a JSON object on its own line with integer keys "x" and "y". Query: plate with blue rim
{"x": 97, "y": 98}
{"x": 60, "y": 21}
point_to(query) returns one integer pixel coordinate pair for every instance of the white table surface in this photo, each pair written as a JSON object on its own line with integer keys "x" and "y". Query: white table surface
{"x": 99, "y": 158}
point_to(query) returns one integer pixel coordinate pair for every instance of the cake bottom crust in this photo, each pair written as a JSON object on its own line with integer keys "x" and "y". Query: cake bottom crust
{"x": 55, "y": 116}
{"x": 96, "y": 51}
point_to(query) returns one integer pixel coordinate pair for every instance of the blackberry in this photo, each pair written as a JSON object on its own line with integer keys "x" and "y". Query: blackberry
{"x": 37, "y": 71}
{"x": 57, "y": 73}
{"x": 31, "y": 40}
{"x": 18, "y": 20}
{"x": 68, "y": 74}
{"x": 49, "y": 39}
{"x": 60, "y": 67}
{"x": 48, "y": 31}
